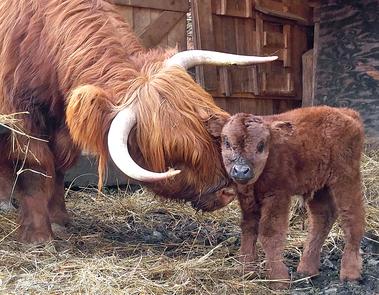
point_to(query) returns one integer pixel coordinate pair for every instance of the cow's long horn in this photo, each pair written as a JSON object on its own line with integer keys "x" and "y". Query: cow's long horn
{"x": 118, "y": 135}
{"x": 190, "y": 58}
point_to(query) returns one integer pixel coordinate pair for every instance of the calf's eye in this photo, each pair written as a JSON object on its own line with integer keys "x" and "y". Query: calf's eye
{"x": 260, "y": 147}
{"x": 226, "y": 143}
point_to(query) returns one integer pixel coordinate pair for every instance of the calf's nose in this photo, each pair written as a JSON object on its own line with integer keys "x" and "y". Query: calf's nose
{"x": 241, "y": 172}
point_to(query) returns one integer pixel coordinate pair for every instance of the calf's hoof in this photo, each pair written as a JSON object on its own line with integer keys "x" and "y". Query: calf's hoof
{"x": 352, "y": 274}
{"x": 308, "y": 269}
{"x": 278, "y": 273}
{"x": 248, "y": 263}
{"x": 351, "y": 267}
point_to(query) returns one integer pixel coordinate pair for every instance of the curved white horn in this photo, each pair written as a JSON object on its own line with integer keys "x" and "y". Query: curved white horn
{"x": 118, "y": 135}
{"x": 190, "y": 58}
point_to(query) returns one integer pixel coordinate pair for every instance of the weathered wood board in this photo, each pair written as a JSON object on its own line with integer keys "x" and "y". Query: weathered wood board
{"x": 347, "y": 72}
{"x": 253, "y": 28}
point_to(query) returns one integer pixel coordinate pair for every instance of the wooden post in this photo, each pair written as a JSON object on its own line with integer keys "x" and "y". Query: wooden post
{"x": 308, "y": 78}
{"x": 203, "y": 38}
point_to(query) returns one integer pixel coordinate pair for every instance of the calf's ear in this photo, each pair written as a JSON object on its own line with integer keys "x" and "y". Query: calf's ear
{"x": 215, "y": 123}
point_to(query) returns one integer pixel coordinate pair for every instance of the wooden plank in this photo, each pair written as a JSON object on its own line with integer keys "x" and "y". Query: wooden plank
{"x": 279, "y": 9}
{"x": 204, "y": 38}
{"x": 287, "y": 45}
{"x": 251, "y": 37}
{"x": 236, "y": 8}
{"x": 240, "y": 76}
{"x": 141, "y": 19}
{"x": 177, "y": 36}
{"x": 299, "y": 47}
{"x": 127, "y": 13}
{"x": 315, "y": 58}
{"x": 308, "y": 94}
{"x": 171, "y": 5}
{"x": 273, "y": 96}
{"x": 229, "y": 46}
{"x": 155, "y": 31}
{"x": 283, "y": 105}
{"x": 273, "y": 39}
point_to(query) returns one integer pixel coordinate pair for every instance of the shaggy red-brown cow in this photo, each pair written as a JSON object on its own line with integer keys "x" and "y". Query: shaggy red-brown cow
{"x": 86, "y": 81}
{"x": 314, "y": 152}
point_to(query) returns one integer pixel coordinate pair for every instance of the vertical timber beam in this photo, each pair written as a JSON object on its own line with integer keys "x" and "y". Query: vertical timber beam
{"x": 203, "y": 37}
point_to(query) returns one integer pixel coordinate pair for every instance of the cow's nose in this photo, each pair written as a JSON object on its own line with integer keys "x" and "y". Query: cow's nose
{"x": 241, "y": 172}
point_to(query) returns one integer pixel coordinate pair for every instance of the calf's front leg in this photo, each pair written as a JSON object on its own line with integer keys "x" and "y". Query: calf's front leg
{"x": 273, "y": 228}
{"x": 249, "y": 227}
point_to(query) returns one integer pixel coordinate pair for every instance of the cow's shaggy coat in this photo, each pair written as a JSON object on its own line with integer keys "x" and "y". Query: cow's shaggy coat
{"x": 313, "y": 152}
{"x": 73, "y": 64}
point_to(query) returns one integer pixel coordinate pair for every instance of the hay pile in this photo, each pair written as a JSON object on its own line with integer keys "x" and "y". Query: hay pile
{"x": 137, "y": 244}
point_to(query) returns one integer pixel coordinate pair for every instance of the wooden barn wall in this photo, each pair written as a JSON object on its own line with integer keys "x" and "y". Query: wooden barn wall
{"x": 347, "y": 72}
{"x": 253, "y": 27}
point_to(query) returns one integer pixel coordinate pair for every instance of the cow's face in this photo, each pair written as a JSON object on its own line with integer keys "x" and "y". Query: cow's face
{"x": 244, "y": 143}
{"x": 172, "y": 115}
{"x": 202, "y": 175}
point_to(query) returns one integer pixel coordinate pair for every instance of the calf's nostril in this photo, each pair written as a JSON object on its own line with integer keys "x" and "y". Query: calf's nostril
{"x": 246, "y": 170}
{"x": 241, "y": 172}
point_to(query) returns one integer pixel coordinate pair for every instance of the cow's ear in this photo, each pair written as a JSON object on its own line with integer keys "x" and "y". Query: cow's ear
{"x": 215, "y": 124}
{"x": 284, "y": 127}
{"x": 89, "y": 113}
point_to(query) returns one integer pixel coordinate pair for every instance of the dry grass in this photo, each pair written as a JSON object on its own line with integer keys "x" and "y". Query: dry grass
{"x": 136, "y": 244}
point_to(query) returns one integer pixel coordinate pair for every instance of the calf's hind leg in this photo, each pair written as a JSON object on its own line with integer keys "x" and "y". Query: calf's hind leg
{"x": 321, "y": 215}
{"x": 349, "y": 201}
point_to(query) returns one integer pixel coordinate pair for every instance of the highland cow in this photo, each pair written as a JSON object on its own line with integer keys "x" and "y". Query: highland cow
{"x": 314, "y": 152}
{"x": 88, "y": 84}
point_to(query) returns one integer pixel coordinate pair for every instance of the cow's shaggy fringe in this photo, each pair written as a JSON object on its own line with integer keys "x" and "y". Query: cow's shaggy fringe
{"x": 114, "y": 246}
{"x": 102, "y": 69}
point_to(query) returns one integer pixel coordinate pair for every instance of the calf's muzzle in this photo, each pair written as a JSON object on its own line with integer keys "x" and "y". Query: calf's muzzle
{"x": 241, "y": 173}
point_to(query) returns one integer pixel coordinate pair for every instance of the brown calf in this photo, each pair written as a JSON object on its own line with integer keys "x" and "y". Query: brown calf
{"x": 314, "y": 152}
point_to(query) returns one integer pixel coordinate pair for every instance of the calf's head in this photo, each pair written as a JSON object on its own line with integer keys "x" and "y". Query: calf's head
{"x": 245, "y": 144}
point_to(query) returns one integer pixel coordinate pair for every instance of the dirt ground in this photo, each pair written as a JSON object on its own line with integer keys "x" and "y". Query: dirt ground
{"x": 132, "y": 242}
{"x": 136, "y": 244}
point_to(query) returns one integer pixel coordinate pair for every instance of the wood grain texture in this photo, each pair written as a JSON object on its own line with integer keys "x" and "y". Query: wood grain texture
{"x": 347, "y": 72}
{"x": 172, "y": 5}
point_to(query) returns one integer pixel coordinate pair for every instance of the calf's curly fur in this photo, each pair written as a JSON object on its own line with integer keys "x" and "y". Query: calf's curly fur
{"x": 314, "y": 152}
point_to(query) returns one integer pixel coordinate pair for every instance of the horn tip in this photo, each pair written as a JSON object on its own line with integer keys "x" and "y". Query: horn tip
{"x": 171, "y": 172}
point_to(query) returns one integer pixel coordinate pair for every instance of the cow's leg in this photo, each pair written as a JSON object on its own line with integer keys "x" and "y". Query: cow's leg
{"x": 35, "y": 224}
{"x": 249, "y": 229}
{"x": 57, "y": 208}
{"x": 321, "y": 215}
{"x": 349, "y": 201}
{"x": 6, "y": 186}
{"x": 273, "y": 228}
